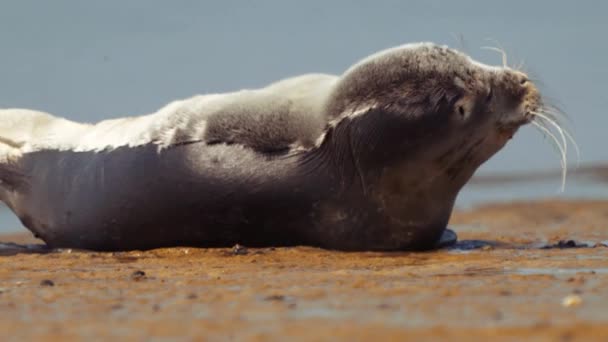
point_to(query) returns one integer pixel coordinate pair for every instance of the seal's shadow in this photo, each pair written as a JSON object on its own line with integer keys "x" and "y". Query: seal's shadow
{"x": 467, "y": 245}
{"x": 10, "y": 249}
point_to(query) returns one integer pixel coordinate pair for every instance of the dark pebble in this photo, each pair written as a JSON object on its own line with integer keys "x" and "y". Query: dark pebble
{"x": 563, "y": 244}
{"x": 386, "y": 306}
{"x": 566, "y": 244}
{"x": 275, "y": 298}
{"x": 138, "y": 275}
{"x": 47, "y": 282}
{"x": 239, "y": 250}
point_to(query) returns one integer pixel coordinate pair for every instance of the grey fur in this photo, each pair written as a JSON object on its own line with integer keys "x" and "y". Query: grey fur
{"x": 283, "y": 115}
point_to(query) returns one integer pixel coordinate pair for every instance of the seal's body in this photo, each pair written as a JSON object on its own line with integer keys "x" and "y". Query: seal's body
{"x": 371, "y": 160}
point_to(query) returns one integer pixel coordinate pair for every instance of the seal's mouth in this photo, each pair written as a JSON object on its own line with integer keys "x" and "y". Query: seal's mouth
{"x": 510, "y": 126}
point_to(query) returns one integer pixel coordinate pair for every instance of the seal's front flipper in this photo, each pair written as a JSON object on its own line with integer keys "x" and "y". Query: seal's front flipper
{"x": 447, "y": 239}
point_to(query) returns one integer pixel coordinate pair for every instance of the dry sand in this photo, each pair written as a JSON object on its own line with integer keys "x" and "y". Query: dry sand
{"x": 508, "y": 280}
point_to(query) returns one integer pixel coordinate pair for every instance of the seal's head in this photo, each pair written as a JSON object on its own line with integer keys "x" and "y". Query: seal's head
{"x": 432, "y": 105}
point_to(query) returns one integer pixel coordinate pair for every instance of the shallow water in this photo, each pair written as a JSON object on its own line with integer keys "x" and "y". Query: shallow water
{"x": 9, "y": 223}
{"x": 576, "y": 188}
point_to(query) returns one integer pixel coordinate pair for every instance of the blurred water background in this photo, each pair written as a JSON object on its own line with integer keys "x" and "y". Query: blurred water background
{"x": 96, "y": 60}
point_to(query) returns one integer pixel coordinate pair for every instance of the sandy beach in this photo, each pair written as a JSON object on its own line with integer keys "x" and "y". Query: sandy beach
{"x": 533, "y": 270}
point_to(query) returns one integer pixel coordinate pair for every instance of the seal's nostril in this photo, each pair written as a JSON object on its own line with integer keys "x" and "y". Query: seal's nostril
{"x": 523, "y": 81}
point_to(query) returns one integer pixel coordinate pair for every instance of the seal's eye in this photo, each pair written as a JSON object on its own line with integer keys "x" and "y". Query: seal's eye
{"x": 490, "y": 95}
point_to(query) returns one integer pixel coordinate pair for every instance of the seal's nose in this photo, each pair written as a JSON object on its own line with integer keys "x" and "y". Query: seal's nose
{"x": 532, "y": 98}
{"x": 522, "y": 101}
{"x": 523, "y": 80}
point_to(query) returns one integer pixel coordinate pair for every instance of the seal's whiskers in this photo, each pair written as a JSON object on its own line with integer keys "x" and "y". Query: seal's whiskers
{"x": 520, "y": 66}
{"x": 576, "y": 148}
{"x": 556, "y": 114}
{"x": 501, "y": 51}
{"x": 548, "y": 115}
{"x": 546, "y": 132}
{"x": 553, "y": 123}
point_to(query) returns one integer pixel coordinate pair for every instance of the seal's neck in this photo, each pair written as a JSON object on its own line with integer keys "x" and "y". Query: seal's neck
{"x": 412, "y": 172}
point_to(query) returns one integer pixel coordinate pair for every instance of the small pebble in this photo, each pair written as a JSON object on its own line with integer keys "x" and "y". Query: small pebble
{"x": 505, "y": 293}
{"x": 47, "y": 282}
{"x": 138, "y": 275}
{"x": 577, "y": 280}
{"x": 572, "y": 300}
{"x": 386, "y": 306}
{"x": 566, "y": 244}
{"x": 275, "y": 298}
{"x": 239, "y": 250}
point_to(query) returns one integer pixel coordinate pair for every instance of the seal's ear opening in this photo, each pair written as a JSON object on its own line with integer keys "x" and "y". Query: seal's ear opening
{"x": 461, "y": 111}
{"x": 490, "y": 95}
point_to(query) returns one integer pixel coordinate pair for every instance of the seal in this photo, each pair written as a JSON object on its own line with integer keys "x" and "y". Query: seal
{"x": 369, "y": 160}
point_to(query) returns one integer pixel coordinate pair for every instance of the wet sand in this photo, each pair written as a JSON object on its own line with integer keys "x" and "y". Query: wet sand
{"x": 528, "y": 270}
